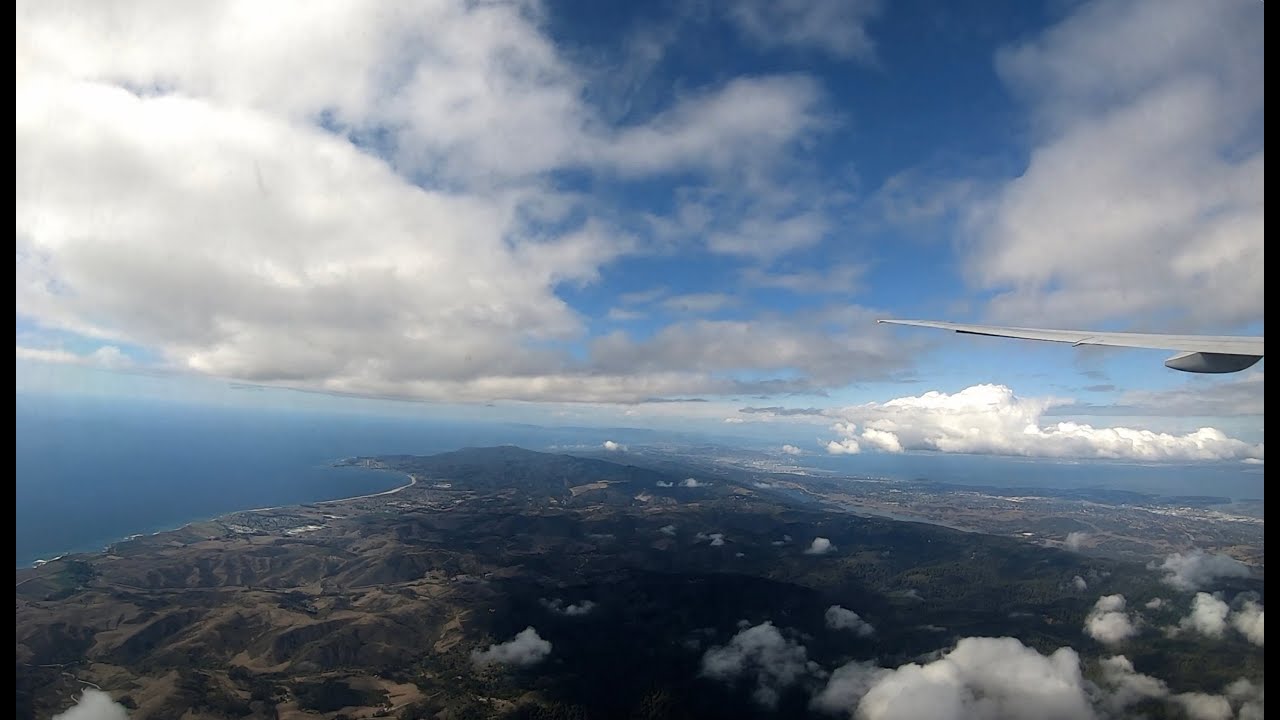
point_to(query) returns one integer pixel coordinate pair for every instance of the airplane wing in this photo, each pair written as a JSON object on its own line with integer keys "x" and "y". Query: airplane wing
{"x": 1199, "y": 353}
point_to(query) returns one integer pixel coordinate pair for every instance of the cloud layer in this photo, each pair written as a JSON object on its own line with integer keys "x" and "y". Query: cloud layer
{"x": 991, "y": 419}
{"x": 1108, "y": 623}
{"x": 763, "y": 655}
{"x": 839, "y": 618}
{"x": 391, "y": 226}
{"x": 1142, "y": 195}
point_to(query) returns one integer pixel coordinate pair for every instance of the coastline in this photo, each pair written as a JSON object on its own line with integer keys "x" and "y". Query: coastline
{"x": 412, "y": 481}
{"x": 97, "y": 549}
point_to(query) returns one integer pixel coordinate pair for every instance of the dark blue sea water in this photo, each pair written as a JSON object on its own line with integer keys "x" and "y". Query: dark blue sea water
{"x": 89, "y": 474}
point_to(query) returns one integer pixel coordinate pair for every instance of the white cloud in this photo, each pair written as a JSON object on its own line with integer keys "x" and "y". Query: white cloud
{"x": 990, "y": 419}
{"x": 714, "y": 539}
{"x": 1250, "y": 697}
{"x": 106, "y": 356}
{"x": 1197, "y": 569}
{"x": 813, "y": 356}
{"x": 94, "y": 705}
{"x": 668, "y": 530}
{"x": 379, "y": 229}
{"x": 1149, "y": 154}
{"x": 1107, "y": 622}
{"x": 981, "y": 679}
{"x": 881, "y": 440}
{"x": 693, "y": 483}
{"x": 1002, "y": 679}
{"x": 612, "y": 446}
{"x": 1075, "y": 540}
{"x": 526, "y": 648}
{"x": 1248, "y": 620}
{"x": 1124, "y": 687}
{"x": 665, "y": 484}
{"x": 706, "y": 130}
{"x": 1079, "y": 583}
{"x": 847, "y": 685}
{"x": 761, "y": 653}
{"x": 819, "y": 546}
{"x": 1202, "y": 706}
{"x": 1208, "y": 616}
{"x": 837, "y": 28}
{"x": 575, "y": 610}
{"x": 844, "y": 446}
{"x": 1155, "y": 603}
{"x": 839, "y": 618}
{"x": 792, "y": 450}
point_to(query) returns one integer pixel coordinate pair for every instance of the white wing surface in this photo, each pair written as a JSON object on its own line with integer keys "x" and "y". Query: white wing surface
{"x": 1200, "y": 353}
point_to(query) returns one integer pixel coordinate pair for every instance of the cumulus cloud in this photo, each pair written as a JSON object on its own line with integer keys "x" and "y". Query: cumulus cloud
{"x": 693, "y": 483}
{"x": 1075, "y": 540}
{"x": 558, "y": 607}
{"x": 1208, "y": 616}
{"x": 1002, "y": 679}
{"x": 819, "y": 546}
{"x": 665, "y": 484}
{"x": 792, "y": 450}
{"x": 1148, "y": 144}
{"x": 526, "y": 648}
{"x": 1248, "y": 620}
{"x": 1197, "y": 569}
{"x": 1123, "y": 687}
{"x": 1107, "y": 622}
{"x": 844, "y": 446}
{"x": 1203, "y": 706}
{"x": 1155, "y": 603}
{"x": 387, "y": 227}
{"x": 762, "y": 654}
{"x": 668, "y": 530}
{"x": 839, "y": 618}
{"x": 846, "y": 686}
{"x": 1079, "y": 583}
{"x": 612, "y": 446}
{"x": 94, "y": 705}
{"x": 991, "y": 419}
{"x": 1249, "y": 696}
{"x": 981, "y": 678}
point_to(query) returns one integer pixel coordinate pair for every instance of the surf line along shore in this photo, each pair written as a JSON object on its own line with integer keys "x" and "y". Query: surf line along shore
{"x": 413, "y": 480}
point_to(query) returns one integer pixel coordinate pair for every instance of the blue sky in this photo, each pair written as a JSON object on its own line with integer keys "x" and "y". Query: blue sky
{"x": 579, "y": 212}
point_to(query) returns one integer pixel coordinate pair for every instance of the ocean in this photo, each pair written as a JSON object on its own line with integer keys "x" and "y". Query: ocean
{"x": 89, "y": 474}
